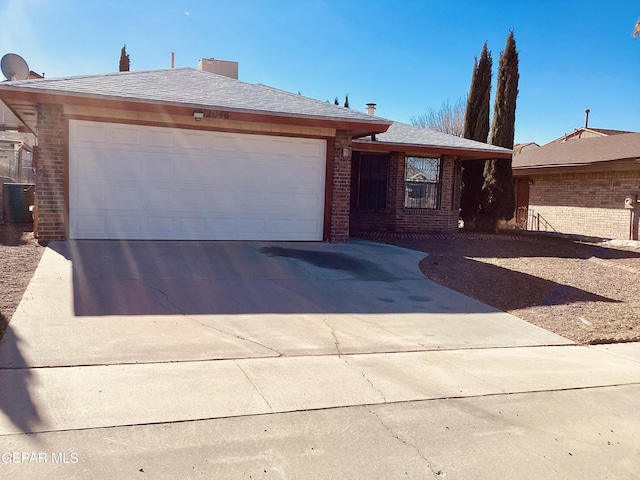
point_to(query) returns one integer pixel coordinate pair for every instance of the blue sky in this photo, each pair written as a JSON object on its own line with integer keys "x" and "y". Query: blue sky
{"x": 404, "y": 55}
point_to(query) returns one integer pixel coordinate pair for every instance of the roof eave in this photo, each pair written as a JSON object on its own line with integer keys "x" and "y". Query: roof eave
{"x": 606, "y": 165}
{"x": 26, "y": 94}
{"x": 436, "y": 150}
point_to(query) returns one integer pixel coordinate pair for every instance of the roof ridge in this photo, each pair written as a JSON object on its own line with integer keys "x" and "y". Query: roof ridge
{"x": 91, "y": 75}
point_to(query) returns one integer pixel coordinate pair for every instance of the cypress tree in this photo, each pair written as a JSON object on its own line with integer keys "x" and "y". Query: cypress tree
{"x": 476, "y": 127}
{"x": 498, "y": 189}
{"x": 124, "y": 59}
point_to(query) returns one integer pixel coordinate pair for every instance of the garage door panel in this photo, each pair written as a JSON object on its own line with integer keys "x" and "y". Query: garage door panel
{"x": 126, "y": 135}
{"x": 87, "y": 163}
{"x": 89, "y": 224}
{"x": 88, "y": 132}
{"x": 192, "y": 224}
{"x": 119, "y": 167}
{"x": 191, "y": 199}
{"x": 125, "y": 224}
{"x": 163, "y": 167}
{"x": 194, "y": 169}
{"x": 156, "y": 198}
{"x": 305, "y": 203}
{"x": 196, "y": 141}
{"x": 121, "y": 197}
{"x": 160, "y": 224}
{"x": 91, "y": 195}
{"x": 160, "y": 137}
{"x": 163, "y": 183}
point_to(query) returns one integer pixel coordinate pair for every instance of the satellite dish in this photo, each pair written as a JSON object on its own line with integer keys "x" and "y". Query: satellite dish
{"x": 14, "y": 67}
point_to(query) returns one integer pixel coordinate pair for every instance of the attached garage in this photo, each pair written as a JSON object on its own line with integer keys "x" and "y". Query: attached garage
{"x": 142, "y": 182}
{"x": 184, "y": 154}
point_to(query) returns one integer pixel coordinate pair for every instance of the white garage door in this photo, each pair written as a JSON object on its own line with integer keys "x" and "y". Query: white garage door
{"x": 139, "y": 182}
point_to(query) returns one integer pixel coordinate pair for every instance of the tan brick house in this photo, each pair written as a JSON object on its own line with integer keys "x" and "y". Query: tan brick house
{"x": 579, "y": 185}
{"x": 187, "y": 154}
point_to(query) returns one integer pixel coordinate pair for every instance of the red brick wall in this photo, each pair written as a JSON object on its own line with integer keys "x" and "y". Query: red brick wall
{"x": 50, "y": 173}
{"x": 341, "y": 187}
{"x": 412, "y": 220}
{"x": 590, "y": 204}
{"x": 397, "y": 218}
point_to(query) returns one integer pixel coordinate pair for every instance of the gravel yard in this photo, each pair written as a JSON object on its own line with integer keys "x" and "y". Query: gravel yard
{"x": 589, "y": 293}
{"x": 19, "y": 257}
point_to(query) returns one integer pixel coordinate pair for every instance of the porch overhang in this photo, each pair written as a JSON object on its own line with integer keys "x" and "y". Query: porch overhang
{"x": 461, "y": 153}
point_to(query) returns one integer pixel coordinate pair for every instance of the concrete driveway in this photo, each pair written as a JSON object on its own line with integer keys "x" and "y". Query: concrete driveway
{"x": 294, "y": 360}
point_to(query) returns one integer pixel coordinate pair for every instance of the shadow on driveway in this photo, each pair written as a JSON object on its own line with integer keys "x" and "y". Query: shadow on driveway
{"x": 175, "y": 277}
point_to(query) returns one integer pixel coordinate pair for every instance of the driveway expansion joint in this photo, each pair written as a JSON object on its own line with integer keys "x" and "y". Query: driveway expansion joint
{"x": 367, "y": 406}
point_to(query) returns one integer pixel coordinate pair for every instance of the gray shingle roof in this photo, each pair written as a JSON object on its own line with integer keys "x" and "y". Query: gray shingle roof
{"x": 196, "y": 88}
{"x": 401, "y": 133}
{"x": 624, "y": 146}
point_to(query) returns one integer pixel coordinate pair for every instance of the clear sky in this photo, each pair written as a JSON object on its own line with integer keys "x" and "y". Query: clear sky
{"x": 404, "y": 55}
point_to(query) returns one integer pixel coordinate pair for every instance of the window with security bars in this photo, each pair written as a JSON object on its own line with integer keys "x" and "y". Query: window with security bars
{"x": 423, "y": 182}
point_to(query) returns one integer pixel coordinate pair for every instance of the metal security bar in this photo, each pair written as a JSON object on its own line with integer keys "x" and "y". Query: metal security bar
{"x": 423, "y": 182}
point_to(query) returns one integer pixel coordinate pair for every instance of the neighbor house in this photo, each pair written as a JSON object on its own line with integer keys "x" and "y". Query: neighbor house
{"x": 585, "y": 183}
{"x": 188, "y": 154}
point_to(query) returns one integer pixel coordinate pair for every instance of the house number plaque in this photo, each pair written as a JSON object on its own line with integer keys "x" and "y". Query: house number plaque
{"x": 216, "y": 114}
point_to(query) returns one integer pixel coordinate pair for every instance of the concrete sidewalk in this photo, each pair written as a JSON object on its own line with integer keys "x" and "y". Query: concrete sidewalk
{"x": 250, "y": 360}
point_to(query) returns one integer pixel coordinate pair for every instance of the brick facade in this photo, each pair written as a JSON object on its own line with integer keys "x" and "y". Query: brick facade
{"x": 50, "y": 173}
{"x": 590, "y": 204}
{"x": 51, "y": 184}
{"x": 51, "y": 178}
{"x": 396, "y": 218}
{"x": 341, "y": 199}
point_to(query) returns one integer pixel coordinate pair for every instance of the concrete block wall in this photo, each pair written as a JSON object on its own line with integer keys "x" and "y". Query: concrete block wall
{"x": 50, "y": 173}
{"x": 590, "y": 204}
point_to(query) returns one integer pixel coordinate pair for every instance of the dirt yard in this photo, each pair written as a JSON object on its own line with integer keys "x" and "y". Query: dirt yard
{"x": 585, "y": 292}
{"x": 19, "y": 257}
{"x": 588, "y": 293}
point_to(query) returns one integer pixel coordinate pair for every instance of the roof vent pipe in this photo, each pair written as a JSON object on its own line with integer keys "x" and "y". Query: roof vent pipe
{"x": 371, "y": 108}
{"x": 586, "y": 120}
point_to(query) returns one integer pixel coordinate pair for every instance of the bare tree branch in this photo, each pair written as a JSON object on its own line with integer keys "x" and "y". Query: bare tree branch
{"x": 449, "y": 118}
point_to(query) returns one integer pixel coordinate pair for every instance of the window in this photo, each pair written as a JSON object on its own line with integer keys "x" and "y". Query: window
{"x": 372, "y": 181}
{"x": 422, "y": 181}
